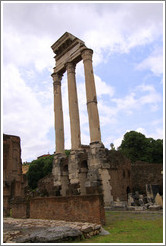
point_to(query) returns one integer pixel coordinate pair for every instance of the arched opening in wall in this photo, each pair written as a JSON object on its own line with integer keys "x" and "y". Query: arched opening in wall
{"x": 65, "y": 168}
{"x": 84, "y": 164}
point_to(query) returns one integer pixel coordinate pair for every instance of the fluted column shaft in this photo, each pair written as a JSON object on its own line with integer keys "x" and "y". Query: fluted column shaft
{"x": 94, "y": 125}
{"x": 59, "y": 126}
{"x": 73, "y": 107}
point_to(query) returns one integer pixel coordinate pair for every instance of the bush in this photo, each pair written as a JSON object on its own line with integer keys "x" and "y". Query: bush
{"x": 38, "y": 169}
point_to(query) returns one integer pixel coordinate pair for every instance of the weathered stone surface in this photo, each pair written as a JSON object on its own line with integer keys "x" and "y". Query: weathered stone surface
{"x": 14, "y": 181}
{"x": 154, "y": 207}
{"x": 103, "y": 232}
{"x": 159, "y": 200}
{"x": 119, "y": 205}
{"x": 94, "y": 124}
{"x": 51, "y": 235}
{"x": 131, "y": 208}
{"x": 58, "y": 110}
{"x": 45, "y": 231}
{"x": 139, "y": 208}
{"x": 73, "y": 107}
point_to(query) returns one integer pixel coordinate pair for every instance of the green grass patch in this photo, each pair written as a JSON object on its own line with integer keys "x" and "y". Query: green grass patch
{"x": 131, "y": 227}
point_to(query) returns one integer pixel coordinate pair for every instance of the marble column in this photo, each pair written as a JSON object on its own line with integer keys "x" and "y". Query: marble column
{"x": 59, "y": 127}
{"x": 73, "y": 107}
{"x": 94, "y": 124}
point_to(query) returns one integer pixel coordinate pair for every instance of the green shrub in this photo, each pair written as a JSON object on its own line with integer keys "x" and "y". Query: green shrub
{"x": 38, "y": 169}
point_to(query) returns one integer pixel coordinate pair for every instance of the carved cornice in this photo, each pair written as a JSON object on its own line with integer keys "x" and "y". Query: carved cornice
{"x": 65, "y": 41}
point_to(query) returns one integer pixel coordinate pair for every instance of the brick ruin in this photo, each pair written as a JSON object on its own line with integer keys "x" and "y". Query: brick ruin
{"x": 14, "y": 181}
{"x": 146, "y": 173}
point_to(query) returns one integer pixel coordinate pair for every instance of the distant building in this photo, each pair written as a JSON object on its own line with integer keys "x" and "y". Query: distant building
{"x": 43, "y": 156}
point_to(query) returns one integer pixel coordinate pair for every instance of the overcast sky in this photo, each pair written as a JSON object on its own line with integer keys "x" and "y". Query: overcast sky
{"x": 127, "y": 40}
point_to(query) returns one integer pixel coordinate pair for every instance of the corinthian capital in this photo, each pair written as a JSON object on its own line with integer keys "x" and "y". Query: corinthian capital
{"x": 87, "y": 54}
{"x": 56, "y": 78}
{"x": 70, "y": 67}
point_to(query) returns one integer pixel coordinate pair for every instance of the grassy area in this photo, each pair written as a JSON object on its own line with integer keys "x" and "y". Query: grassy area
{"x": 131, "y": 227}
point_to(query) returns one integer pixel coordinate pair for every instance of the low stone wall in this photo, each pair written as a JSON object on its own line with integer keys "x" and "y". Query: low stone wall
{"x": 89, "y": 208}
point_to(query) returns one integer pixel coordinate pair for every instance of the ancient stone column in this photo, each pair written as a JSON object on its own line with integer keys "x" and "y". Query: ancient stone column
{"x": 94, "y": 125}
{"x": 59, "y": 127}
{"x": 73, "y": 107}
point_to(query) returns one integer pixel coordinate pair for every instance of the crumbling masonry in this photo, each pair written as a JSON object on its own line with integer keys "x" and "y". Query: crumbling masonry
{"x": 86, "y": 171}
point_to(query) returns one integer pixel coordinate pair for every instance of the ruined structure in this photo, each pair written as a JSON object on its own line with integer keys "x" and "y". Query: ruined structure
{"x": 143, "y": 173}
{"x": 86, "y": 169}
{"x": 119, "y": 171}
{"x": 14, "y": 181}
{"x": 120, "y": 175}
{"x": 78, "y": 183}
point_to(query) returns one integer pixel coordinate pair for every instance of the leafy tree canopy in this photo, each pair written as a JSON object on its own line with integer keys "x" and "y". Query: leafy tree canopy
{"x": 38, "y": 169}
{"x": 139, "y": 148}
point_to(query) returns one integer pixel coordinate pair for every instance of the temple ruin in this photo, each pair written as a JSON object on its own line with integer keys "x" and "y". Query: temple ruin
{"x": 91, "y": 177}
{"x": 86, "y": 171}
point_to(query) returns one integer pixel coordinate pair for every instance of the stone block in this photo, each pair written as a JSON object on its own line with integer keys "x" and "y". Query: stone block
{"x": 131, "y": 208}
{"x": 155, "y": 207}
{"x": 159, "y": 200}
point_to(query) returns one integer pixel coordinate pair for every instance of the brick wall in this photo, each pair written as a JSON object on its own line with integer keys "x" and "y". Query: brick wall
{"x": 120, "y": 175}
{"x": 20, "y": 209}
{"x": 13, "y": 180}
{"x": 143, "y": 173}
{"x": 72, "y": 208}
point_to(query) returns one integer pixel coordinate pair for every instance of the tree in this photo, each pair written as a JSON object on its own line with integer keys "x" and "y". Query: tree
{"x": 112, "y": 146}
{"x": 38, "y": 169}
{"x": 137, "y": 147}
{"x": 157, "y": 150}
